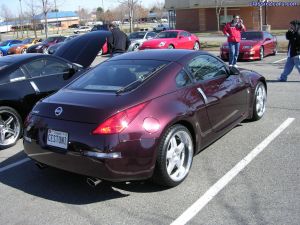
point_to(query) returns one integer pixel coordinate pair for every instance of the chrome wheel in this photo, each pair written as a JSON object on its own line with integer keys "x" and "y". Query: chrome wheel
{"x": 1, "y": 53}
{"x": 170, "y": 47}
{"x": 261, "y": 98}
{"x": 10, "y": 127}
{"x": 45, "y": 51}
{"x": 174, "y": 156}
{"x": 135, "y": 48}
{"x": 196, "y": 46}
{"x": 179, "y": 155}
{"x": 23, "y": 51}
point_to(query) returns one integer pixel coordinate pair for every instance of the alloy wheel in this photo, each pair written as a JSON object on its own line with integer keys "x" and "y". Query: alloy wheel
{"x": 10, "y": 128}
{"x": 196, "y": 46}
{"x": 179, "y": 155}
{"x": 261, "y": 98}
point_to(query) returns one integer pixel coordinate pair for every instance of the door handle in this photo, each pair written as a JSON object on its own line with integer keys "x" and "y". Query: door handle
{"x": 203, "y": 94}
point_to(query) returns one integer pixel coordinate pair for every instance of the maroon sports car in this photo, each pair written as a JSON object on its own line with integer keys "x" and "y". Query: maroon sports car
{"x": 142, "y": 114}
{"x": 254, "y": 45}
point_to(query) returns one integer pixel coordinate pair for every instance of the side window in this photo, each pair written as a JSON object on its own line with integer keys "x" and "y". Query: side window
{"x": 53, "y": 67}
{"x": 17, "y": 75}
{"x": 206, "y": 67}
{"x": 35, "y": 68}
{"x": 150, "y": 35}
{"x": 186, "y": 34}
{"x": 182, "y": 79}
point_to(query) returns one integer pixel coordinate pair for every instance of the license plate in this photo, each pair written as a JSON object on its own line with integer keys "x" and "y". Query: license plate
{"x": 57, "y": 139}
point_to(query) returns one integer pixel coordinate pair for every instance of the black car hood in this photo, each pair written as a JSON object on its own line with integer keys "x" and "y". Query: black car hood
{"x": 84, "y": 48}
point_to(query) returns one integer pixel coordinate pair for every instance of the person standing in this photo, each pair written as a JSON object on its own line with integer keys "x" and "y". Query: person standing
{"x": 233, "y": 32}
{"x": 118, "y": 42}
{"x": 293, "y": 59}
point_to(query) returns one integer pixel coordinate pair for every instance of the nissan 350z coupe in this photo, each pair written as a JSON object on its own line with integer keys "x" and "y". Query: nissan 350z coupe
{"x": 142, "y": 115}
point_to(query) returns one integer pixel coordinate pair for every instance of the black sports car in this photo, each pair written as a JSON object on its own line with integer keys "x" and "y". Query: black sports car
{"x": 26, "y": 78}
{"x": 42, "y": 47}
{"x": 54, "y": 48}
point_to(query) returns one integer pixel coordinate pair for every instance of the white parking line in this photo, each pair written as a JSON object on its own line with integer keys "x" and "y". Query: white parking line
{"x": 2, "y": 169}
{"x": 279, "y": 60}
{"x": 220, "y": 184}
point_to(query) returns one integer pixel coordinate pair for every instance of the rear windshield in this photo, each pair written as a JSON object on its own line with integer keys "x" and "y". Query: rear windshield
{"x": 167, "y": 34}
{"x": 252, "y": 36}
{"x": 113, "y": 75}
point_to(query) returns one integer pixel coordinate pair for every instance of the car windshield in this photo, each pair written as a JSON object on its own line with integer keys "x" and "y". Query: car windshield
{"x": 167, "y": 34}
{"x": 27, "y": 41}
{"x": 252, "y": 36}
{"x": 4, "y": 43}
{"x": 137, "y": 35}
{"x": 112, "y": 76}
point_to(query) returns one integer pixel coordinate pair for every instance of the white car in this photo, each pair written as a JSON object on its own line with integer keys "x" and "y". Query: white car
{"x": 161, "y": 27}
{"x": 82, "y": 29}
{"x": 138, "y": 38}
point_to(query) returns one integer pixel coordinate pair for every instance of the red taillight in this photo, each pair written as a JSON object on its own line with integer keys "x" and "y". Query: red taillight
{"x": 118, "y": 122}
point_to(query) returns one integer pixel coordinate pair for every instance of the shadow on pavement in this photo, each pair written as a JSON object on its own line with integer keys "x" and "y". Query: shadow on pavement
{"x": 61, "y": 186}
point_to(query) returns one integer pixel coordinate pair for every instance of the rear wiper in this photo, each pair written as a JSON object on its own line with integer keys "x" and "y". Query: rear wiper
{"x": 138, "y": 81}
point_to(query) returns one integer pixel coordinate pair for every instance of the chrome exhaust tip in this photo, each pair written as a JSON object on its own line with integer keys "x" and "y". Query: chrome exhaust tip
{"x": 93, "y": 182}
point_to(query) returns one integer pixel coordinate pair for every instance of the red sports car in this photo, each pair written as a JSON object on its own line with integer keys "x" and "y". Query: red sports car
{"x": 254, "y": 45}
{"x": 178, "y": 39}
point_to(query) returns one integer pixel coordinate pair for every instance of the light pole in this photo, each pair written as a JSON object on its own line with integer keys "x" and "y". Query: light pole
{"x": 21, "y": 18}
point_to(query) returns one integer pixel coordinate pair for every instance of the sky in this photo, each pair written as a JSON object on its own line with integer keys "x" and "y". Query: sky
{"x": 72, "y": 5}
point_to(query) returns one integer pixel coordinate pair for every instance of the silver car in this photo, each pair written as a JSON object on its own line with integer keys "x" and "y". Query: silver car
{"x": 137, "y": 38}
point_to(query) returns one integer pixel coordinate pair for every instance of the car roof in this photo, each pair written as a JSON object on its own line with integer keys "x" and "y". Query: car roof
{"x": 171, "y": 55}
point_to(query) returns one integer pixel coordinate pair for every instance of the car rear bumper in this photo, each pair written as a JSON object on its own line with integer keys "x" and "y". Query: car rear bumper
{"x": 93, "y": 156}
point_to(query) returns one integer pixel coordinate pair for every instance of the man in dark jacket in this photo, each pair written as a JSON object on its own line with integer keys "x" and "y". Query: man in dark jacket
{"x": 118, "y": 42}
{"x": 293, "y": 59}
{"x": 233, "y": 32}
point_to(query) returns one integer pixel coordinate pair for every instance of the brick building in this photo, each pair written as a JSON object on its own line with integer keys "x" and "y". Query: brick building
{"x": 200, "y": 15}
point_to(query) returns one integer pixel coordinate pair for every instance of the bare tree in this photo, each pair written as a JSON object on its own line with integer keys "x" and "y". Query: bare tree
{"x": 158, "y": 8}
{"x": 219, "y": 5}
{"x": 140, "y": 12}
{"x": 46, "y": 7}
{"x": 32, "y": 13}
{"x": 130, "y": 4}
{"x": 84, "y": 15}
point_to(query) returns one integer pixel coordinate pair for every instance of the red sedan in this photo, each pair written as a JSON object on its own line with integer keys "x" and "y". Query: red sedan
{"x": 254, "y": 45}
{"x": 178, "y": 39}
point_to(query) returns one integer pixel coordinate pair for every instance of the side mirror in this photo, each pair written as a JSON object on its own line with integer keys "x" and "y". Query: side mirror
{"x": 233, "y": 71}
{"x": 69, "y": 74}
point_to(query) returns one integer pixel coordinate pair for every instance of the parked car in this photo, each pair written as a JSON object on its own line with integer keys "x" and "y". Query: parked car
{"x": 75, "y": 25}
{"x": 5, "y": 45}
{"x": 178, "y": 39}
{"x": 43, "y": 46}
{"x": 254, "y": 45}
{"x": 161, "y": 27}
{"x": 27, "y": 78}
{"x": 137, "y": 38}
{"x": 22, "y": 47}
{"x": 82, "y": 29}
{"x": 142, "y": 115}
{"x": 54, "y": 47}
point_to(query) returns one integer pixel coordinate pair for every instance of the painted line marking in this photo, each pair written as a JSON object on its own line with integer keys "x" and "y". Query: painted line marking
{"x": 2, "y": 169}
{"x": 279, "y": 60}
{"x": 220, "y": 184}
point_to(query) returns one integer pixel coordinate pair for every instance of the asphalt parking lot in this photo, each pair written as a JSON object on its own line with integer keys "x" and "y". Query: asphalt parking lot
{"x": 265, "y": 190}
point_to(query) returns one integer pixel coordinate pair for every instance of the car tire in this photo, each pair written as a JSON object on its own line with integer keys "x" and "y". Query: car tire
{"x": 135, "y": 48}
{"x": 196, "y": 46}
{"x": 10, "y": 127}
{"x": 275, "y": 51}
{"x": 1, "y": 53}
{"x": 259, "y": 101}
{"x": 23, "y": 51}
{"x": 261, "y": 53}
{"x": 171, "y": 47}
{"x": 174, "y": 157}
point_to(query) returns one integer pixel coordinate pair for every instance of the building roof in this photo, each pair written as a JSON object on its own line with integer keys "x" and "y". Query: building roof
{"x": 54, "y": 15}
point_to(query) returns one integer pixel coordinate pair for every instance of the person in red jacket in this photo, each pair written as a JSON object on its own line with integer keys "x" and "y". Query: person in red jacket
{"x": 233, "y": 32}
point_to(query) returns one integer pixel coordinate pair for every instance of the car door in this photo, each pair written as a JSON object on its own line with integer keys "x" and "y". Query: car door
{"x": 268, "y": 43}
{"x": 189, "y": 40}
{"x": 182, "y": 41}
{"x": 225, "y": 95}
{"x": 47, "y": 75}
